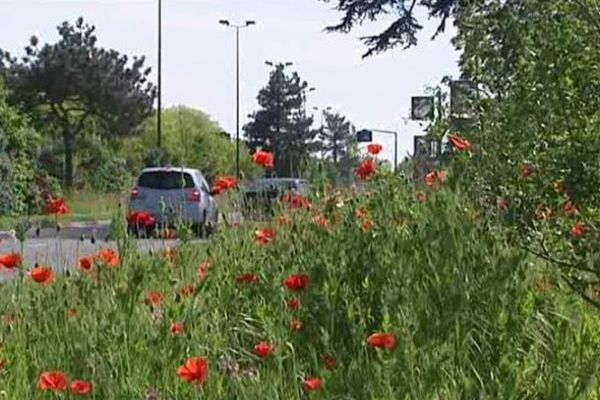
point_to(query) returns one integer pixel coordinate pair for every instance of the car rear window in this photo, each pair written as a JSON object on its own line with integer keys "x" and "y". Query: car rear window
{"x": 166, "y": 180}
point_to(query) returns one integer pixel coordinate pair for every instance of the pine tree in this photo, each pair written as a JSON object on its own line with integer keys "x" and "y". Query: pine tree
{"x": 281, "y": 125}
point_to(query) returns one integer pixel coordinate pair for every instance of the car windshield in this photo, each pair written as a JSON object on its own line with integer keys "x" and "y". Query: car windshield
{"x": 166, "y": 180}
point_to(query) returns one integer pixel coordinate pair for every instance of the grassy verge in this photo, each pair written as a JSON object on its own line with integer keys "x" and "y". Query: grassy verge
{"x": 84, "y": 207}
{"x": 423, "y": 302}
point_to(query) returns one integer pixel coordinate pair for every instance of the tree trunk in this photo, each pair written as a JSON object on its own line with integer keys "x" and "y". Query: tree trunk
{"x": 68, "y": 167}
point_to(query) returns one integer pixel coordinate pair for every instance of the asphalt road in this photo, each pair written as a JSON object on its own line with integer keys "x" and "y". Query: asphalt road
{"x": 62, "y": 250}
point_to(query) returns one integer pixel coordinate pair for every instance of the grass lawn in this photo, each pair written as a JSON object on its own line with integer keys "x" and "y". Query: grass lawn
{"x": 84, "y": 207}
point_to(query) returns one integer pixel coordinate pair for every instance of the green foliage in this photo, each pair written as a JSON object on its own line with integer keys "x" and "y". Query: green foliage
{"x": 191, "y": 139}
{"x": 68, "y": 83}
{"x": 103, "y": 170}
{"x": 281, "y": 125}
{"x": 403, "y": 31}
{"x": 23, "y": 186}
{"x": 338, "y": 144}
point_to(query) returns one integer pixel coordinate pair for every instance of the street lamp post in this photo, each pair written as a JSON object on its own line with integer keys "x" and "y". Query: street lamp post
{"x": 237, "y": 86}
{"x": 159, "y": 71}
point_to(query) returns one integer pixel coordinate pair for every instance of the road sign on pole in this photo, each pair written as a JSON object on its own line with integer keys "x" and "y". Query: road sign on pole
{"x": 364, "y": 136}
{"x": 422, "y": 108}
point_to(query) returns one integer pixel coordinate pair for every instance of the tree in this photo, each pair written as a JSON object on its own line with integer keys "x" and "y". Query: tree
{"x": 403, "y": 31}
{"x": 190, "y": 138}
{"x": 69, "y": 83}
{"x": 23, "y": 185}
{"x": 338, "y": 144}
{"x": 281, "y": 125}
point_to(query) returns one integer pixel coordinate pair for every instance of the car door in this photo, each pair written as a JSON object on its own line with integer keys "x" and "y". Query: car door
{"x": 210, "y": 203}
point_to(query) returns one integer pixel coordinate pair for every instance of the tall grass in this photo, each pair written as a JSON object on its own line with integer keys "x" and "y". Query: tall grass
{"x": 474, "y": 317}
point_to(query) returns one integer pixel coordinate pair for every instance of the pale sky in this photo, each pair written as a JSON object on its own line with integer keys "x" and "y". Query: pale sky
{"x": 199, "y": 55}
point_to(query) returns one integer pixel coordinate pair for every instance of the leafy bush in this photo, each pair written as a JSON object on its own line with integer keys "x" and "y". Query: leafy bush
{"x": 23, "y": 185}
{"x": 102, "y": 170}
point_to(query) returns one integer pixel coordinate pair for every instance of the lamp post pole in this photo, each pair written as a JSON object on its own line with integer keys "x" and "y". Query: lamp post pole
{"x": 237, "y": 88}
{"x": 159, "y": 94}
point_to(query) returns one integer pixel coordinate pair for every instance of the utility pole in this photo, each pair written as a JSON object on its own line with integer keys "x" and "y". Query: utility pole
{"x": 159, "y": 105}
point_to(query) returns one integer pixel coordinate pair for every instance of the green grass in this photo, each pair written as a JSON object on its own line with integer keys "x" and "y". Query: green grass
{"x": 84, "y": 207}
{"x": 464, "y": 305}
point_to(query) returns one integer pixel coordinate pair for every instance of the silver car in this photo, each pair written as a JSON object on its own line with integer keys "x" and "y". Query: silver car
{"x": 174, "y": 195}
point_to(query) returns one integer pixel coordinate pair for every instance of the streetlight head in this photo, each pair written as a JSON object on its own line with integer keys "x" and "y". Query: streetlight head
{"x": 224, "y": 22}
{"x": 269, "y": 63}
{"x": 248, "y": 23}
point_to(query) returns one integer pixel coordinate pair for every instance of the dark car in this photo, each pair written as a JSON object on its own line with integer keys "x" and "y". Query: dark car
{"x": 261, "y": 196}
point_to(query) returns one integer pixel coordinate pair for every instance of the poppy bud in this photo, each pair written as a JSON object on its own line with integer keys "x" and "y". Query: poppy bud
{"x": 37, "y": 231}
{"x": 93, "y": 239}
{"x": 68, "y": 273}
{"x": 82, "y": 238}
{"x": 58, "y": 227}
{"x": 36, "y": 265}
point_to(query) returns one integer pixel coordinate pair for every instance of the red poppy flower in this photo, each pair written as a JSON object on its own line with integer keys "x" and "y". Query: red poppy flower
{"x": 10, "y": 260}
{"x": 176, "y": 329}
{"x": 313, "y": 383}
{"x": 86, "y": 263}
{"x": 296, "y": 325}
{"x": 203, "y": 269}
{"x": 361, "y": 212}
{"x": 223, "y": 184}
{"x": 367, "y": 225}
{"x": 293, "y": 304}
{"x": 366, "y": 169}
{"x": 284, "y": 220}
{"x": 265, "y": 236}
{"x": 296, "y": 201}
{"x": 247, "y": 278}
{"x": 56, "y": 206}
{"x": 188, "y": 291}
{"x": 329, "y": 361}
{"x": 382, "y": 341}
{"x": 578, "y": 230}
{"x": 322, "y": 221}
{"x": 543, "y": 212}
{"x": 374, "y": 148}
{"x": 421, "y": 196}
{"x": 263, "y": 158}
{"x": 459, "y": 144}
{"x": 435, "y": 176}
{"x": 54, "y": 381}
{"x": 42, "y": 275}
{"x": 141, "y": 219}
{"x": 527, "y": 170}
{"x": 195, "y": 370}
{"x": 570, "y": 209}
{"x": 109, "y": 257}
{"x": 502, "y": 204}
{"x": 81, "y": 388}
{"x": 297, "y": 283}
{"x": 263, "y": 349}
{"x": 154, "y": 298}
